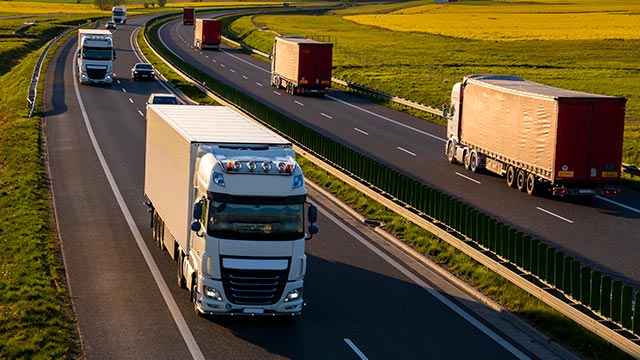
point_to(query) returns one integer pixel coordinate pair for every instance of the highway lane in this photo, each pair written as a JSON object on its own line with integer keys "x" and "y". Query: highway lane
{"x": 599, "y": 232}
{"x": 361, "y": 299}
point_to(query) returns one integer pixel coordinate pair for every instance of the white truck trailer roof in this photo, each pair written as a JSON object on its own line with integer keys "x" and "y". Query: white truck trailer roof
{"x": 216, "y": 124}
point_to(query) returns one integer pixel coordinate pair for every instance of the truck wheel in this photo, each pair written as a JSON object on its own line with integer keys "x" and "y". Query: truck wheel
{"x": 532, "y": 184}
{"x": 521, "y": 180}
{"x": 473, "y": 161}
{"x": 450, "y": 153}
{"x": 467, "y": 160}
{"x": 194, "y": 295}
{"x": 511, "y": 176}
{"x": 182, "y": 282}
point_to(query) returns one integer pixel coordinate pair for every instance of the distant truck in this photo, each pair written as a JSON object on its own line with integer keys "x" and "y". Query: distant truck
{"x": 537, "y": 136}
{"x": 188, "y": 15}
{"x": 228, "y": 201}
{"x": 301, "y": 65}
{"x": 119, "y": 14}
{"x": 207, "y": 34}
{"x": 95, "y": 56}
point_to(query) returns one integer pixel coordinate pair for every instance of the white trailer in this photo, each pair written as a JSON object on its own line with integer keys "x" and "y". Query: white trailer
{"x": 228, "y": 202}
{"x": 95, "y": 56}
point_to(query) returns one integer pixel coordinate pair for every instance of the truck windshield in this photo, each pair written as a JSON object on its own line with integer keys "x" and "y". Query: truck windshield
{"x": 94, "y": 53}
{"x": 256, "y": 221}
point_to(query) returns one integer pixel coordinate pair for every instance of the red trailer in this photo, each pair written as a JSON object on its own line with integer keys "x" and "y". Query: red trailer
{"x": 301, "y": 65}
{"x": 207, "y": 34}
{"x": 188, "y": 15}
{"x": 537, "y": 136}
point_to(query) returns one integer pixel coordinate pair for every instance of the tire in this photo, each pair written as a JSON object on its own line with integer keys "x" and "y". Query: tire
{"x": 473, "y": 162}
{"x": 531, "y": 184}
{"x": 511, "y": 176}
{"x": 182, "y": 282}
{"x": 450, "y": 153}
{"x": 194, "y": 296}
{"x": 466, "y": 158}
{"x": 521, "y": 180}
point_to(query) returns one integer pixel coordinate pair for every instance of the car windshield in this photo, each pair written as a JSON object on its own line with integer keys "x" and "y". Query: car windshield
{"x": 256, "y": 221}
{"x": 144, "y": 67}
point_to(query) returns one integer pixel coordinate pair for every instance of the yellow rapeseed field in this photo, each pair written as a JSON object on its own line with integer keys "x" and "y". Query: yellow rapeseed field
{"x": 516, "y": 20}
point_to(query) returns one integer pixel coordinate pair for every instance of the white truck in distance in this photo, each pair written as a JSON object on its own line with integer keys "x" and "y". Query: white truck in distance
{"x": 95, "y": 56}
{"x": 228, "y": 201}
{"x": 119, "y": 14}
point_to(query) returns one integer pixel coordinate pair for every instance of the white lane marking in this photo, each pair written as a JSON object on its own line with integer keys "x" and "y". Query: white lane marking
{"x": 355, "y": 349}
{"x": 277, "y": 93}
{"x": 245, "y": 77}
{"x": 206, "y": 56}
{"x": 387, "y": 119}
{"x": 117, "y": 80}
{"x": 556, "y": 215}
{"x": 232, "y": 70}
{"x": 468, "y": 178}
{"x": 327, "y": 116}
{"x": 140, "y": 112}
{"x": 617, "y": 203}
{"x": 214, "y": 60}
{"x": 405, "y": 150}
{"x": 298, "y": 102}
{"x": 245, "y": 61}
{"x": 361, "y": 131}
{"x": 131, "y": 100}
{"x": 259, "y": 84}
{"x": 436, "y": 294}
{"x": 223, "y": 65}
{"x": 124, "y": 90}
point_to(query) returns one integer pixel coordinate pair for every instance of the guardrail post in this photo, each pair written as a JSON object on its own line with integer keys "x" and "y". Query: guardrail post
{"x": 616, "y": 301}
{"x": 627, "y": 295}
{"x": 566, "y": 280}
{"x": 491, "y": 240}
{"x": 511, "y": 245}
{"x": 585, "y": 285}
{"x": 558, "y": 276}
{"x": 605, "y": 304}
{"x": 596, "y": 285}
{"x": 519, "y": 242}
{"x": 636, "y": 315}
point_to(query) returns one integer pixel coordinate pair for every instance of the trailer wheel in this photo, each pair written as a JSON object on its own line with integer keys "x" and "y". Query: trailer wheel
{"x": 532, "y": 184}
{"x": 521, "y": 180}
{"x": 450, "y": 153}
{"x": 194, "y": 295}
{"x": 467, "y": 160}
{"x": 511, "y": 176}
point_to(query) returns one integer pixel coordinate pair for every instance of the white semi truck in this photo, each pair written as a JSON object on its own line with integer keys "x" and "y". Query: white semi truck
{"x": 119, "y": 14}
{"x": 228, "y": 201}
{"x": 95, "y": 56}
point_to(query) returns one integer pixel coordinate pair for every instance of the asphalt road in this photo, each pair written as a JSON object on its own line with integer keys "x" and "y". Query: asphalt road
{"x": 601, "y": 232}
{"x": 365, "y": 299}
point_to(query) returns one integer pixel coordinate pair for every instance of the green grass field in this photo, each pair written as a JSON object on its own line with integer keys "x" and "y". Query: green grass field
{"x": 422, "y": 64}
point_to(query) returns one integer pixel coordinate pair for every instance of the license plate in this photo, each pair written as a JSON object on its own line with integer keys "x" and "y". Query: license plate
{"x": 585, "y": 191}
{"x": 253, "y": 311}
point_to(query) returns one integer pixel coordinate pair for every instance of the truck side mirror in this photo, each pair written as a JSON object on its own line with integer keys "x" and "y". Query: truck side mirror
{"x": 197, "y": 210}
{"x": 196, "y": 226}
{"x": 312, "y": 215}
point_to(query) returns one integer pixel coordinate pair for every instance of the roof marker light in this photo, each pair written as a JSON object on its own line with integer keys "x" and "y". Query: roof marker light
{"x": 266, "y": 166}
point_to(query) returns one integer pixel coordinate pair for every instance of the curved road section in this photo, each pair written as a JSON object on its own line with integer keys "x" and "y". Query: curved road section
{"x": 366, "y": 298}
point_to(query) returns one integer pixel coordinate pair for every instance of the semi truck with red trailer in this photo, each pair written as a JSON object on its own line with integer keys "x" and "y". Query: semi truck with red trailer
{"x": 188, "y": 15}
{"x": 537, "y": 136}
{"x": 301, "y": 65}
{"x": 207, "y": 34}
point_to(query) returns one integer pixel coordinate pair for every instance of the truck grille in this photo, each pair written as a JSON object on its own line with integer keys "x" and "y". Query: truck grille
{"x": 254, "y": 287}
{"x": 96, "y": 74}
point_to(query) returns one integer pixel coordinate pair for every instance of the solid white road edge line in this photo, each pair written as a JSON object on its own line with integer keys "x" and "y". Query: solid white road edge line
{"x": 473, "y": 321}
{"x": 190, "y": 341}
{"x": 619, "y": 204}
{"x": 355, "y": 349}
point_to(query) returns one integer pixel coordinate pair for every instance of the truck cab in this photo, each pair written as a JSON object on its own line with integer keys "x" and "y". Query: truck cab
{"x": 95, "y": 56}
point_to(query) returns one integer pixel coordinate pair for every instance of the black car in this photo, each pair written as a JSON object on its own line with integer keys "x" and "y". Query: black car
{"x": 143, "y": 71}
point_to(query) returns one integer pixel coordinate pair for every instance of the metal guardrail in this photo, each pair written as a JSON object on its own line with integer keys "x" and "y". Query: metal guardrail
{"x": 631, "y": 169}
{"x": 35, "y": 77}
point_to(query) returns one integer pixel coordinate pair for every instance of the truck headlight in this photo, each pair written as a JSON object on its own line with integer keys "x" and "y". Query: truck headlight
{"x": 212, "y": 293}
{"x": 298, "y": 181}
{"x": 293, "y": 295}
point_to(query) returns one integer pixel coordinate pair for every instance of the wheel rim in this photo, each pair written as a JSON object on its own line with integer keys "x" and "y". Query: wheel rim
{"x": 521, "y": 180}
{"x": 450, "y": 153}
{"x": 531, "y": 184}
{"x": 511, "y": 176}
{"x": 473, "y": 163}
